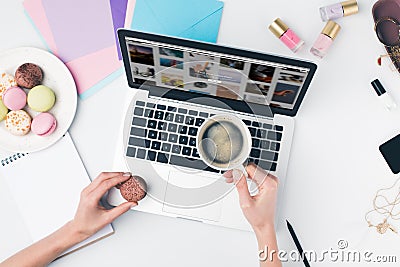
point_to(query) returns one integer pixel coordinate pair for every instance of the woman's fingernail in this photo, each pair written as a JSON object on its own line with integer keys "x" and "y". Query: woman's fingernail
{"x": 236, "y": 175}
{"x": 127, "y": 174}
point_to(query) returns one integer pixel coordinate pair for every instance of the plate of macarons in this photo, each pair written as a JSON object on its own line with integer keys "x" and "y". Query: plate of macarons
{"x": 38, "y": 99}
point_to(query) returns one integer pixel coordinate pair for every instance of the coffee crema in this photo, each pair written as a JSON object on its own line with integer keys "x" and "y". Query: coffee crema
{"x": 222, "y": 143}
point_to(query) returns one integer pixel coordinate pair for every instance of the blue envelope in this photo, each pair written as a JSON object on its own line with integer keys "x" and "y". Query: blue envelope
{"x": 192, "y": 19}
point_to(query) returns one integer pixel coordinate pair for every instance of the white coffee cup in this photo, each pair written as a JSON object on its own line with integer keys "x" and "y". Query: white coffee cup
{"x": 224, "y": 143}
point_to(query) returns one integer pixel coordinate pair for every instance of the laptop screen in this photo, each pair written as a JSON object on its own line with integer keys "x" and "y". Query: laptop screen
{"x": 215, "y": 73}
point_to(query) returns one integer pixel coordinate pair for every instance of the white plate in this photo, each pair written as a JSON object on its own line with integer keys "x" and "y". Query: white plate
{"x": 57, "y": 77}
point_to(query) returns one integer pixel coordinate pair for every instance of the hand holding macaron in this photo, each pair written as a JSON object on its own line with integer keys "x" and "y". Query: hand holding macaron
{"x": 91, "y": 216}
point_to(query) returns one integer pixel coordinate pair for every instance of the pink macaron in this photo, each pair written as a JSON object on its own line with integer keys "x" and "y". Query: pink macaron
{"x": 14, "y": 98}
{"x": 44, "y": 124}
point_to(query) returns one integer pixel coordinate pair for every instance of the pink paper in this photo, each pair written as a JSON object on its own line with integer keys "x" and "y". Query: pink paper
{"x": 36, "y": 12}
{"x": 79, "y": 27}
{"x": 90, "y": 69}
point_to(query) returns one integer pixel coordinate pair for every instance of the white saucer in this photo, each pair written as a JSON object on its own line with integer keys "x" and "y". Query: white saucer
{"x": 57, "y": 77}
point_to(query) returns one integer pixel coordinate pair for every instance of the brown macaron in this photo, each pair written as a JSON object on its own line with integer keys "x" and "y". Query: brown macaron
{"x": 29, "y": 75}
{"x": 133, "y": 189}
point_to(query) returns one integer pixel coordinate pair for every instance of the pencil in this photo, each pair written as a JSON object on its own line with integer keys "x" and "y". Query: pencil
{"x": 297, "y": 243}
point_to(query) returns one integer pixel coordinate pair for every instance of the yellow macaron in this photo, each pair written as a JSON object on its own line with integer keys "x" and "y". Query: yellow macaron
{"x": 3, "y": 111}
{"x": 41, "y": 98}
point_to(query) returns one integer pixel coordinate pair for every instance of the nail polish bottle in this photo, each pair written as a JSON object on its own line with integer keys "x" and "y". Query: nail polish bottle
{"x": 286, "y": 35}
{"x": 325, "y": 39}
{"x": 338, "y": 10}
{"x": 386, "y": 99}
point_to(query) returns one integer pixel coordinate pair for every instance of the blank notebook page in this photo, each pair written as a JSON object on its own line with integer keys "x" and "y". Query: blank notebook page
{"x": 46, "y": 187}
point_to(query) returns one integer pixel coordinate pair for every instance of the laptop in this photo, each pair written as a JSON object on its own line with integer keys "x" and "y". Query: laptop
{"x": 180, "y": 84}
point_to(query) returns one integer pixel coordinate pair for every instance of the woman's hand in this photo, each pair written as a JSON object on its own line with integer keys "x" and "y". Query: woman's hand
{"x": 91, "y": 216}
{"x": 259, "y": 210}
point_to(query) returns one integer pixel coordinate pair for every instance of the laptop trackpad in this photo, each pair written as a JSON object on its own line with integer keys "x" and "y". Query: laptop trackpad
{"x": 188, "y": 194}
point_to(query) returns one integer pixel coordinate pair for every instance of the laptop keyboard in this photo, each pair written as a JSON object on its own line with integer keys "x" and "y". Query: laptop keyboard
{"x": 167, "y": 134}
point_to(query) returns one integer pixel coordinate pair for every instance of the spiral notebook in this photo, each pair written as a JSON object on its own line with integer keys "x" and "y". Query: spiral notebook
{"x": 39, "y": 193}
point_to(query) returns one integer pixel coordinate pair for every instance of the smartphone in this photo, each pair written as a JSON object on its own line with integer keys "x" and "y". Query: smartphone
{"x": 391, "y": 152}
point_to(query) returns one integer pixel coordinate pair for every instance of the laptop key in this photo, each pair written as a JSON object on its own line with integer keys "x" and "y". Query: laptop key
{"x": 278, "y": 128}
{"x": 135, "y": 131}
{"x": 255, "y": 153}
{"x": 276, "y": 136}
{"x": 166, "y": 147}
{"x": 265, "y": 144}
{"x": 148, "y": 113}
{"x": 141, "y": 153}
{"x": 189, "y": 120}
{"x": 192, "y": 141}
{"x": 266, "y": 165}
{"x": 182, "y": 110}
{"x": 155, "y": 145}
{"x": 259, "y": 134}
{"x": 195, "y": 153}
{"x": 159, "y": 115}
{"x": 183, "y": 140}
{"x": 179, "y": 118}
{"x": 192, "y": 131}
{"x": 139, "y": 122}
{"x": 161, "y": 107}
{"x": 253, "y": 131}
{"x": 263, "y": 133}
{"x": 176, "y": 149}
{"x": 151, "y": 155}
{"x": 182, "y": 129}
{"x": 173, "y": 138}
{"x": 162, "y": 126}
{"x": 193, "y": 113}
{"x": 193, "y": 164}
{"x": 169, "y": 116}
{"x": 172, "y": 127}
{"x": 186, "y": 151}
{"x": 140, "y": 103}
{"x": 134, "y": 141}
{"x": 150, "y": 105}
{"x": 203, "y": 114}
{"x": 256, "y": 124}
{"x": 275, "y": 146}
{"x": 169, "y": 108}
{"x": 138, "y": 111}
{"x": 273, "y": 167}
{"x": 268, "y": 155}
{"x": 152, "y": 124}
{"x": 199, "y": 122}
{"x": 247, "y": 122}
{"x": 267, "y": 126}
{"x": 162, "y": 157}
{"x": 130, "y": 152}
{"x": 152, "y": 134}
{"x": 163, "y": 136}
{"x": 255, "y": 142}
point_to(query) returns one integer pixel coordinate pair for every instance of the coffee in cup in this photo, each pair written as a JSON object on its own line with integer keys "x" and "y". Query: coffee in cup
{"x": 224, "y": 142}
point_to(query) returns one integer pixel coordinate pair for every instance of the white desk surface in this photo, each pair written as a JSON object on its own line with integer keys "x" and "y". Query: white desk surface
{"x": 335, "y": 165}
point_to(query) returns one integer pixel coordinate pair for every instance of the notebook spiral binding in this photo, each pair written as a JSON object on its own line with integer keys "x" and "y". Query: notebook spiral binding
{"x": 13, "y": 158}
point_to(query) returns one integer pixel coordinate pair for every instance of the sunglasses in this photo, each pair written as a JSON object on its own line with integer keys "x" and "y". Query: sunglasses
{"x": 388, "y": 31}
